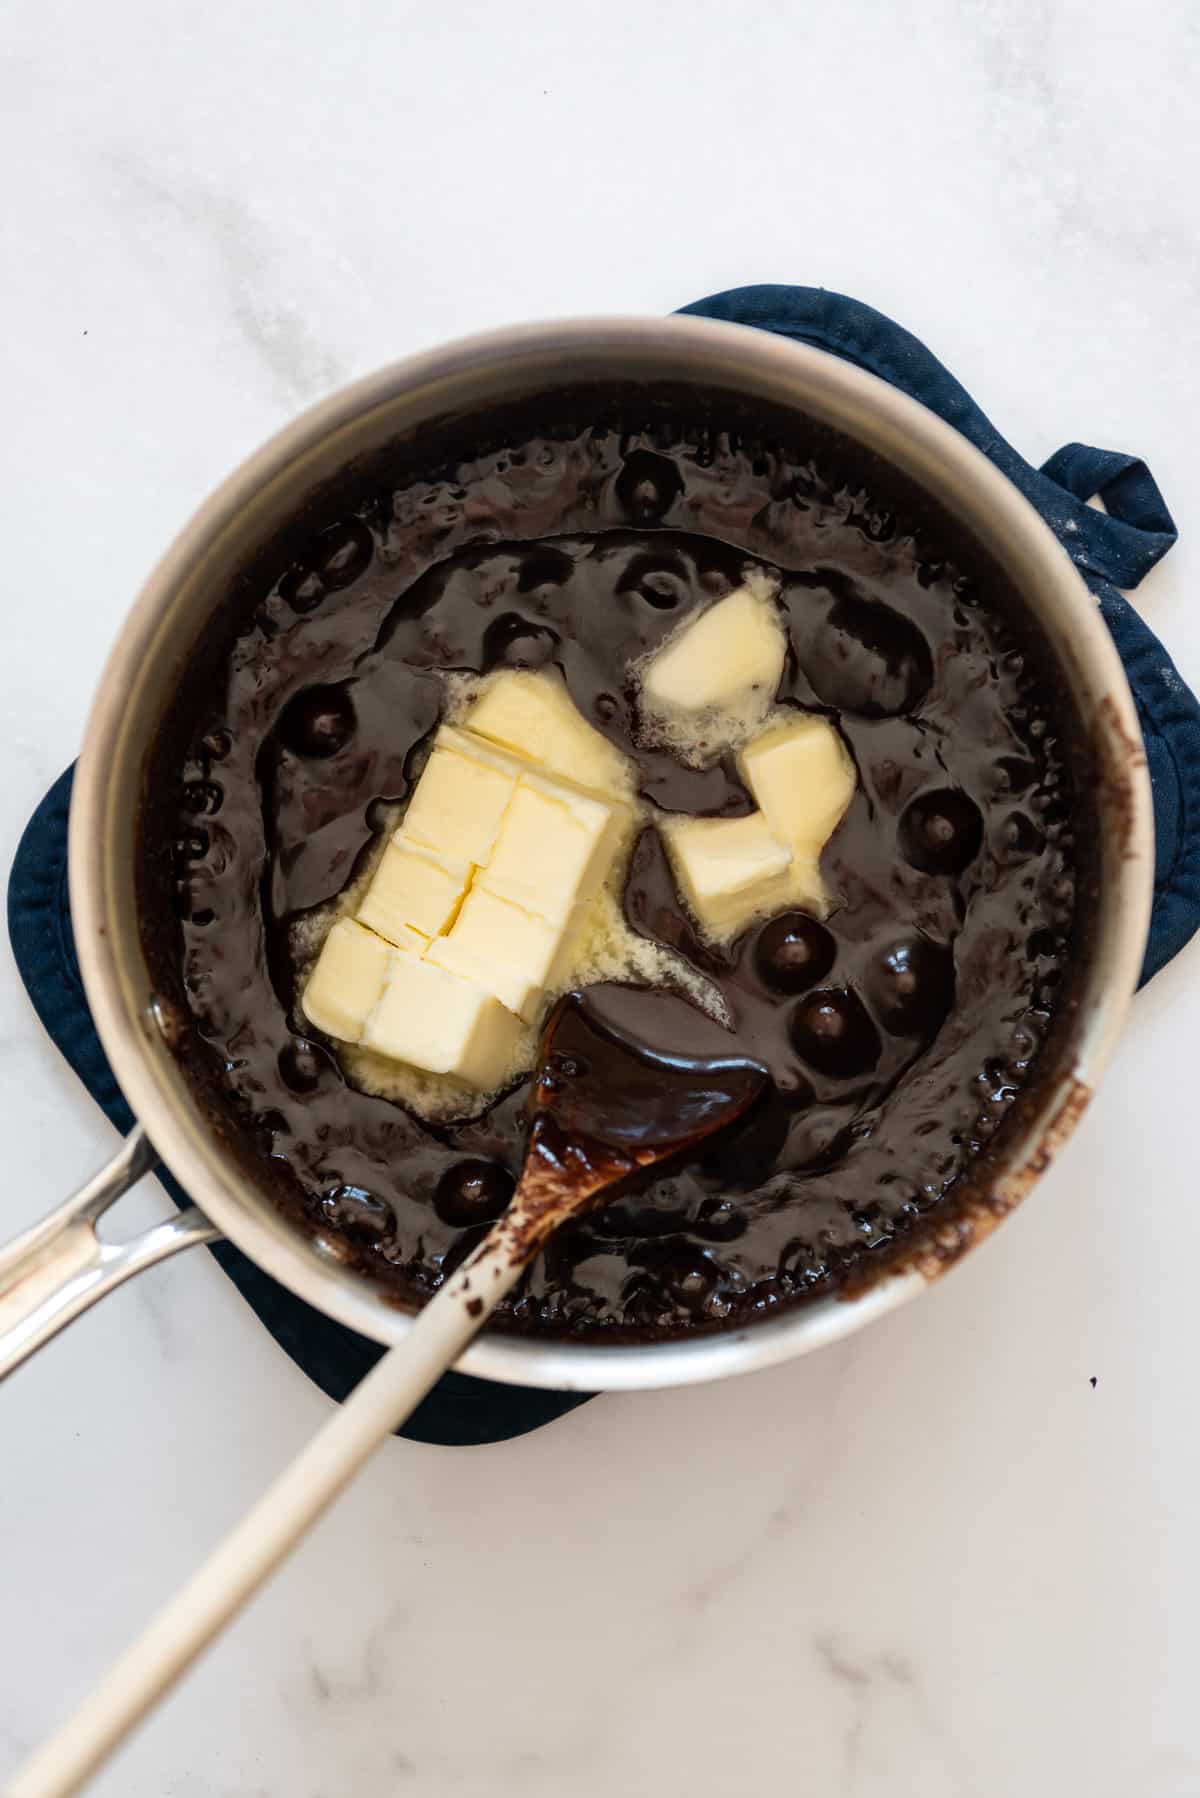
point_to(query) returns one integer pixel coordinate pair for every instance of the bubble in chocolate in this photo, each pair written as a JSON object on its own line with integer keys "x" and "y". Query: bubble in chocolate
{"x": 910, "y": 986}
{"x": 832, "y": 1030}
{"x": 317, "y": 722}
{"x": 1016, "y": 772}
{"x": 302, "y": 589}
{"x": 687, "y": 1273}
{"x": 1019, "y": 838}
{"x": 361, "y": 1213}
{"x": 193, "y": 847}
{"x": 793, "y": 952}
{"x": 648, "y": 486}
{"x": 473, "y": 1192}
{"x": 217, "y": 742}
{"x": 302, "y": 1065}
{"x": 720, "y": 1220}
{"x": 203, "y": 797}
{"x": 517, "y": 643}
{"x": 343, "y": 552}
{"x": 661, "y": 581}
{"x": 941, "y": 832}
{"x": 878, "y": 523}
{"x": 866, "y": 658}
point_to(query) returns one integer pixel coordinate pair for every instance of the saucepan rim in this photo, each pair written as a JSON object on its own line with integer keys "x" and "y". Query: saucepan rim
{"x": 149, "y": 652}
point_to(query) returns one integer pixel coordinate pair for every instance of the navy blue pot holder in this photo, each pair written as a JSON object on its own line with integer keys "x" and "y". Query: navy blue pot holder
{"x": 1113, "y": 549}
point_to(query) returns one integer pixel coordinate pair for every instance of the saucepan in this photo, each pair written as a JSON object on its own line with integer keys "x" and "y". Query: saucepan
{"x": 60, "y": 1267}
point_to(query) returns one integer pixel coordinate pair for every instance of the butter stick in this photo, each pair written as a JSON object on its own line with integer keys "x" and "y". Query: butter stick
{"x": 729, "y": 869}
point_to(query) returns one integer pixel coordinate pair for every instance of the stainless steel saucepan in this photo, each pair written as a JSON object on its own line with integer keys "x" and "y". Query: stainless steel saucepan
{"x": 59, "y": 1268}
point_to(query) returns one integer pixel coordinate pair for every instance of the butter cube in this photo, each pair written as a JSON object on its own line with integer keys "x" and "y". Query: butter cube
{"x": 414, "y": 894}
{"x": 458, "y": 802}
{"x": 532, "y": 713}
{"x": 730, "y": 658}
{"x": 479, "y": 749}
{"x": 502, "y": 947}
{"x": 554, "y": 850}
{"x": 729, "y": 869}
{"x": 802, "y": 777}
{"x": 347, "y": 982}
{"x": 434, "y": 1020}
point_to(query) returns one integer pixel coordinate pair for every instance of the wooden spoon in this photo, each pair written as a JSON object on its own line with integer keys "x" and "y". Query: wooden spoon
{"x": 606, "y": 1108}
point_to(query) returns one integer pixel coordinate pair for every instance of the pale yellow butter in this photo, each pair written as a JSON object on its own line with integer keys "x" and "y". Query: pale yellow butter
{"x": 435, "y": 1020}
{"x": 730, "y": 659}
{"x": 802, "y": 777}
{"x": 503, "y": 947}
{"x": 347, "y": 982}
{"x": 414, "y": 894}
{"x": 729, "y": 869}
{"x": 531, "y": 712}
{"x": 458, "y": 802}
{"x": 481, "y": 891}
{"x": 555, "y": 847}
{"x": 479, "y": 749}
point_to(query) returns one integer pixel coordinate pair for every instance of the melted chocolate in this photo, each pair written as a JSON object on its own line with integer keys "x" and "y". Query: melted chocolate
{"x": 897, "y": 1032}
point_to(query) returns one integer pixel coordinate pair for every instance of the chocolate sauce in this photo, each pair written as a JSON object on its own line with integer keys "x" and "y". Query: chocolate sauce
{"x": 897, "y": 1033}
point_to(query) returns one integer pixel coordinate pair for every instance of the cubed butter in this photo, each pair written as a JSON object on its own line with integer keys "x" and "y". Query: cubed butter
{"x": 435, "y": 1020}
{"x": 347, "y": 981}
{"x": 414, "y": 893}
{"x": 502, "y": 947}
{"x": 555, "y": 848}
{"x": 802, "y": 777}
{"x": 458, "y": 802}
{"x": 480, "y": 749}
{"x": 729, "y": 659}
{"x": 531, "y": 713}
{"x": 480, "y": 890}
{"x": 729, "y": 869}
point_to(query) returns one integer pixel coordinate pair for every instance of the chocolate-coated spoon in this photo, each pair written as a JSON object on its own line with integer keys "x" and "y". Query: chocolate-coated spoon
{"x": 608, "y": 1105}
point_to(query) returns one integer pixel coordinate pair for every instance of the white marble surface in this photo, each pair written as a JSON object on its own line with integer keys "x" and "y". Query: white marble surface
{"x": 955, "y": 1557}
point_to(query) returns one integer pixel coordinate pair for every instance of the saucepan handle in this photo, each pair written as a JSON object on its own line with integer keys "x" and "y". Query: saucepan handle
{"x": 58, "y": 1268}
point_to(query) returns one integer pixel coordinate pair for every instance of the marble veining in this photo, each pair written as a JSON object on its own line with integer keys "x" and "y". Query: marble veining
{"x": 936, "y": 1561}
{"x": 271, "y": 323}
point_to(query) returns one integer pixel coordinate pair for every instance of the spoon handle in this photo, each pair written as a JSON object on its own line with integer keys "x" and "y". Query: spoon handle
{"x": 283, "y": 1515}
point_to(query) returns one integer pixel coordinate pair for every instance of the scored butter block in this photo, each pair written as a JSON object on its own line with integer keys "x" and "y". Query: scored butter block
{"x": 555, "y": 848}
{"x": 435, "y": 1020}
{"x": 459, "y": 801}
{"x": 504, "y": 947}
{"x": 731, "y": 657}
{"x": 480, "y": 891}
{"x": 415, "y": 893}
{"x": 531, "y": 712}
{"x": 729, "y": 869}
{"x": 347, "y": 981}
{"x": 802, "y": 777}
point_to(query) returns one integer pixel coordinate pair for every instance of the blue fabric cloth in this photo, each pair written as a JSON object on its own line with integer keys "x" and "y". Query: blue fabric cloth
{"x": 1113, "y": 550}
